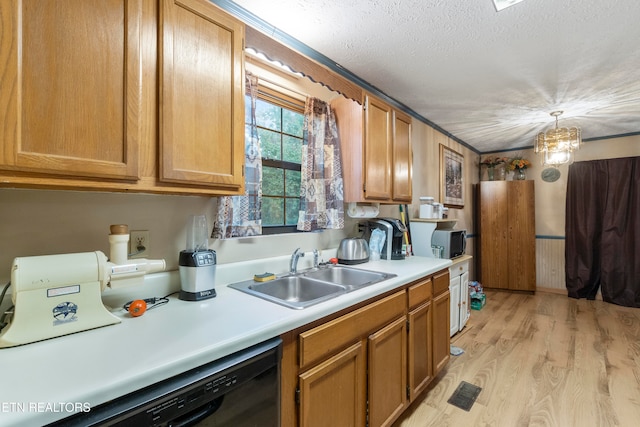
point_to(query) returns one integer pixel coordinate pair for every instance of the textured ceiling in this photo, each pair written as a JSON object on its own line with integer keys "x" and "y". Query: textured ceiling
{"x": 489, "y": 78}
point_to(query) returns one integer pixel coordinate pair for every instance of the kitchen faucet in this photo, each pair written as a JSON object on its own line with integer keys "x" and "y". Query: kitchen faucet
{"x": 316, "y": 255}
{"x": 293, "y": 264}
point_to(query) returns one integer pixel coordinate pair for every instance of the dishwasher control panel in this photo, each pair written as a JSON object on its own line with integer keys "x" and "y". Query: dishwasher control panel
{"x": 208, "y": 396}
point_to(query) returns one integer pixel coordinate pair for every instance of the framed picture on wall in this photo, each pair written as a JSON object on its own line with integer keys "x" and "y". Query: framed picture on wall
{"x": 451, "y": 178}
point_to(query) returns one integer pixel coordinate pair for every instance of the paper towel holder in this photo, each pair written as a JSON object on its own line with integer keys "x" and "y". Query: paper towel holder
{"x": 357, "y": 210}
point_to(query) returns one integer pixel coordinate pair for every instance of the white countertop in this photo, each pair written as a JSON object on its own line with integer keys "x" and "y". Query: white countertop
{"x": 95, "y": 366}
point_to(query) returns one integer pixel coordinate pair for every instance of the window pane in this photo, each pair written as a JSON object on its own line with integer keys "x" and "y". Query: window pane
{"x": 292, "y": 148}
{"x": 293, "y": 207}
{"x": 270, "y": 144}
{"x": 292, "y": 183}
{"x": 268, "y": 115}
{"x": 293, "y": 123}
{"x": 272, "y": 211}
{"x": 281, "y": 131}
{"x": 272, "y": 181}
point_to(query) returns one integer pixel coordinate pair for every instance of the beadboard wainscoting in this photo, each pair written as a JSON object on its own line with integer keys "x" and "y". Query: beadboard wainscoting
{"x": 550, "y": 276}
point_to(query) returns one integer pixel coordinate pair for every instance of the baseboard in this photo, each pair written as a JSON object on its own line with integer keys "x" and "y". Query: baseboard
{"x": 551, "y": 290}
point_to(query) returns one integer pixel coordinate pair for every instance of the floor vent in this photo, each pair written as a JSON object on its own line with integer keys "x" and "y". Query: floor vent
{"x": 465, "y": 396}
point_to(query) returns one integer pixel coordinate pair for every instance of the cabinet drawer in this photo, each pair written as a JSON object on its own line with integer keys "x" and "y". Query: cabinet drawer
{"x": 325, "y": 340}
{"x": 420, "y": 293}
{"x": 458, "y": 269}
{"x": 441, "y": 282}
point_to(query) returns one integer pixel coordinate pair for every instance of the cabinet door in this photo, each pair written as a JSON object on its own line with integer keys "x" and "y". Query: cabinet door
{"x": 402, "y": 157}
{"x": 494, "y": 231}
{"x": 387, "y": 373}
{"x": 441, "y": 338}
{"x": 454, "y": 310}
{"x": 465, "y": 306}
{"x": 71, "y": 87}
{"x": 377, "y": 149}
{"x": 334, "y": 392}
{"x": 201, "y": 95}
{"x": 522, "y": 236}
{"x": 420, "y": 349}
{"x": 507, "y": 235}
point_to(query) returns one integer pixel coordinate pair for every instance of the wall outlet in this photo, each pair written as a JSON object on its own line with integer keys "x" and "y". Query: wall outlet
{"x": 138, "y": 243}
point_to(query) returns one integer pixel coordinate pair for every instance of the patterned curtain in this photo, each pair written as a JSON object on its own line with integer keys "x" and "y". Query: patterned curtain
{"x": 239, "y": 216}
{"x": 321, "y": 191}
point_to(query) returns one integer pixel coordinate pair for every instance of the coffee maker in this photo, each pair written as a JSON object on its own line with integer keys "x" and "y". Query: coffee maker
{"x": 394, "y": 231}
{"x": 197, "y": 263}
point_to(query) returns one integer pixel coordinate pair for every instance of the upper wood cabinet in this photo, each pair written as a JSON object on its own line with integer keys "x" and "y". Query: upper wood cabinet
{"x": 121, "y": 95}
{"x": 376, "y": 150}
{"x": 201, "y": 95}
{"x": 402, "y": 159}
{"x": 71, "y": 87}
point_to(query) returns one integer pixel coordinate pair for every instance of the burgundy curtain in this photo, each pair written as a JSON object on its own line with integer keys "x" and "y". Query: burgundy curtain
{"x": 603, "y": 230}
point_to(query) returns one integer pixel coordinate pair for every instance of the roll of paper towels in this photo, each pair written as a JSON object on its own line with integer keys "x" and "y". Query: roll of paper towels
{"x": 355, "y": 210}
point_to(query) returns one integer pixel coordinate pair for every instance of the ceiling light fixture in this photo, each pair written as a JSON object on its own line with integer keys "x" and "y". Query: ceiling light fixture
{"x": 558, "y": 144}
{"x": 503, "y": 4}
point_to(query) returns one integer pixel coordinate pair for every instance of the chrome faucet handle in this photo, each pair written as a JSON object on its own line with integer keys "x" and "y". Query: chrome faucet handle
{"x": 293, "y": 264}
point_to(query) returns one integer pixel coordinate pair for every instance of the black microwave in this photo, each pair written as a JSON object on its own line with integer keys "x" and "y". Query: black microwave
{"x": 452, "y": 242}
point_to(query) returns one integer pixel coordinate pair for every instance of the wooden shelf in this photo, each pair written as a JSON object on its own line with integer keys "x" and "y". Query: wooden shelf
{"x": 434, "y": 220}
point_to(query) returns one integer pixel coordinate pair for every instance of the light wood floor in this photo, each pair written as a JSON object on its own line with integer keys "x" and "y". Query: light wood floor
{"x": 541, "y": 360}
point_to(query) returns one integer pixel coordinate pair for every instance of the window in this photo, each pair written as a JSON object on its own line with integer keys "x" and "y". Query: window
{"x": 280, "y": 121}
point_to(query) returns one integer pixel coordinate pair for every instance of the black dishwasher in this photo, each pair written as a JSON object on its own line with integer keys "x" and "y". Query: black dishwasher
{"x": 242, "y": 389}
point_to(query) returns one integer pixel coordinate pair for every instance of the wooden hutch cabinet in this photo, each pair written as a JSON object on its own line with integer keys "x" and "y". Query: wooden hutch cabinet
{"x": 507, "y": 235}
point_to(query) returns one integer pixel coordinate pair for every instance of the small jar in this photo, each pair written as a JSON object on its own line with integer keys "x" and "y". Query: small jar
{"x": 426, "y": 207}
{"x": 445, "y": 213}
{"x": 437, "y": 210}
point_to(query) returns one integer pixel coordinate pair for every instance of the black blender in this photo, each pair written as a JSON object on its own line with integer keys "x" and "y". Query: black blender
{"x": 197, "y": 263}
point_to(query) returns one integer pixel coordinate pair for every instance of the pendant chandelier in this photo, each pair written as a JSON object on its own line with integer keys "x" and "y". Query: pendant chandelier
{"x": 558, "y": 144}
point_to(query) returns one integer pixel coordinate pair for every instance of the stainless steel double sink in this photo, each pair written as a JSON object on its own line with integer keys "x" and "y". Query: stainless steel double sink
{"x": 310, "y": 287}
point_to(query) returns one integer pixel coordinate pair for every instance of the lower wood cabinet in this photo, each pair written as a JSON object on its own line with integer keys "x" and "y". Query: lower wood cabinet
{"x": 441, "y": 337}
{"x": 420, "y": 343}
{"x": 334, "y": 392}
{"x": 365, "y": 366}
{"x": 372, "y": 337}
{"x": 388, "y": 373}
